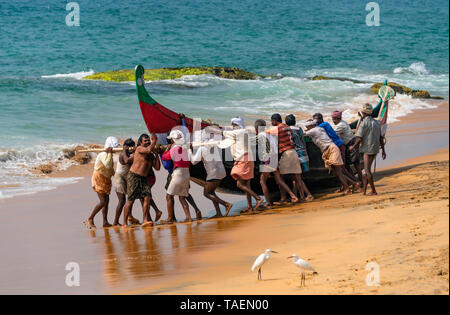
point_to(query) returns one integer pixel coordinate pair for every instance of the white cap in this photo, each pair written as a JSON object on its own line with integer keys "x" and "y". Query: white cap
{"x": 177, "y": 137}
{"x": 238, "y": 121}
{"x": 111, "y": 142}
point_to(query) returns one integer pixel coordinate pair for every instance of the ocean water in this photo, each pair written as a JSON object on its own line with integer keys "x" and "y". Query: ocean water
{"x": 46, "y": 106}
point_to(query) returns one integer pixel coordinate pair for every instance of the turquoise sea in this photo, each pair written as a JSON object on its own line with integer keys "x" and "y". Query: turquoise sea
{"x": 45, "y": 105}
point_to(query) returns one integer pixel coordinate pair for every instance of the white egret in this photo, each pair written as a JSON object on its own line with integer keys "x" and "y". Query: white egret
{"x": 259, "y": 262}
{"x": 304, "y": 266}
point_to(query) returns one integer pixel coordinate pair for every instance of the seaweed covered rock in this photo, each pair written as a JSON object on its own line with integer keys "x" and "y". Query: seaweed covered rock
{"x": 322, "y": 77}
{"x": 401, "y": 89}
{"x": 174, "y": 73}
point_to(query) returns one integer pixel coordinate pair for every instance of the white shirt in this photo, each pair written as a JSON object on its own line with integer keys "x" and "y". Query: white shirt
{"x": 320, "y": 138}
{"x": 212, "y": 160}
{"x": 344, "y": 131}
{"x": 240, "y": 146}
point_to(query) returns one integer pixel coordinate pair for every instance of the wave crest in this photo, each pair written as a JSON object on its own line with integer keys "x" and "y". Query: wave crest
{"x": 415, "y": 68}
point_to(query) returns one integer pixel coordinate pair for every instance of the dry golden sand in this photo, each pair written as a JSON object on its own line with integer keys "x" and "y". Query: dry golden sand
{"x": 405, "y": 230}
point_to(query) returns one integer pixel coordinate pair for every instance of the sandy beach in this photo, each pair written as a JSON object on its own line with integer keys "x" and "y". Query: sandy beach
{"x": 404, "y": 230}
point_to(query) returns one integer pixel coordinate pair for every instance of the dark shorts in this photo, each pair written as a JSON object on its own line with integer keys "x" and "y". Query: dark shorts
{"x": 213, "y": 180}
{"x": 352, "y": 157}
{"x": 137, "y": 186}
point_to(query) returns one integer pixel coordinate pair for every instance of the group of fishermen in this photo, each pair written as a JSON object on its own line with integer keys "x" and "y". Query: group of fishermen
{"x": 281, "y": 154}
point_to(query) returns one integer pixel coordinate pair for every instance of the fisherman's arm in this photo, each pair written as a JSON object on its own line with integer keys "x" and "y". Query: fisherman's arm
{"x": 157, "y": 163}
{"x": 356, "y": 144}
{"x": 383, "y": 151}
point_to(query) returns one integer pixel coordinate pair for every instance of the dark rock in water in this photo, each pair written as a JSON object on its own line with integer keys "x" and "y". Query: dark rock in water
{"x": 401, "y": 89}
{"x": 175, "y": 73}
{"x": 321, "y": 77}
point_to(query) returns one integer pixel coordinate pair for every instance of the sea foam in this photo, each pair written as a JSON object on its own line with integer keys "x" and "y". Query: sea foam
{"x": 76, "y": 75}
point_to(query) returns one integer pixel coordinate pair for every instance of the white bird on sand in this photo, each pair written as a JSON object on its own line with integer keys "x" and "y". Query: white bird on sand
{"x": 304, "y": 266}
{"x": 259, "y": 262}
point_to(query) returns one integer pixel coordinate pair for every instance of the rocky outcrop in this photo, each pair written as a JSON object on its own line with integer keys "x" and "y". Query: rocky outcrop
{"x": 401, "y": 89}
{"x": 175, "y": 73}
{"x": 322, "y": 77}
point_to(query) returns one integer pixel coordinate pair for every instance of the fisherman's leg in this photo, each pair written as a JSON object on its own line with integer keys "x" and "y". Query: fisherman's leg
{"x": 105, "y": 212}
{"x": 265, "y": 189}
{"x": 185, "y": 206}
{"x": 127, "y": 211}
{"x": 305, "y": 190}
{"x": 245, "y": 187}
{"x": 338, "y": 172}
{"x": 191, "y": 201}
{"x": 360, "y": 175}
{"x": 122, "y": 198}
{"x": 158, "y": 212}
{"x": 97, "y": 208}
{"x": 284, "y": 188}
{"x": 210, "y": 193}
{"x": 258, "y": 199}
{"x": 170, "y": 209}
{"x": 368, "y": 170}
{"x": 146, "y": 218}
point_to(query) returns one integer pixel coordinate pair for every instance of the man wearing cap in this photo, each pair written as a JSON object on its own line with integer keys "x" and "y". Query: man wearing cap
{"x": 344, "y": 131}
{"x": 101, "y": 181}
{"x": 179, "y": 185}
{"x": 244, "y": 165}
{"x": 369, "y": 140}
{"x": 137, "y": 183}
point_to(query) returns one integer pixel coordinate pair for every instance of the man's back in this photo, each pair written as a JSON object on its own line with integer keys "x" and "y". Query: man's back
{"x": 369, "y": 131}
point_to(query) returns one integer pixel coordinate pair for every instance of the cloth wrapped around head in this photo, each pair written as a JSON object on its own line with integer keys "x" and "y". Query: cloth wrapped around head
{"x": 336, "y": 114}
{"x": 111, "y": 142}
{"x": 238, "y": 121}
{"x": 177, "y": 137}
{"x": 310, "y": 123}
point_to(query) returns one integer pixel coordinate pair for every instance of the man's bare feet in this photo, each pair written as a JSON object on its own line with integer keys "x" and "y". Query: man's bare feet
{"x": 259, "y": 203}
{"x": 281, "y": 203}
{"x": 295, "y": 200}
{"x": 348, "y": 192}
{"x": 247, "y": 211}
{"x": 158, "y": 215}
{"x": 372, "y": 193}
{"x": 218, "y": 215}
{"x": 309, "y": 198}
{"x": 267, "y": 205}
{"x": 147, "y": 224}
{"x": 133, "y": 220}
{"x": 106, "y": 225}
{"x": 166, "y": 222}
{"x": 228, "y": 209}
{"x": 89, "y": 223}
{"x": 187, "y": 220}
{"x": 356, "y": 188}
{"x": 117, "y": 224}
{"x": 198, "y": 215}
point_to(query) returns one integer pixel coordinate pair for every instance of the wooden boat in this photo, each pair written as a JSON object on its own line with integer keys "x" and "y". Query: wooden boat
{"x": 161, "y": 120}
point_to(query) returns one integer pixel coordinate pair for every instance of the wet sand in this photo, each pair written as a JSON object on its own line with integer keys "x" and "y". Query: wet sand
{"x": 43, "y": 232}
